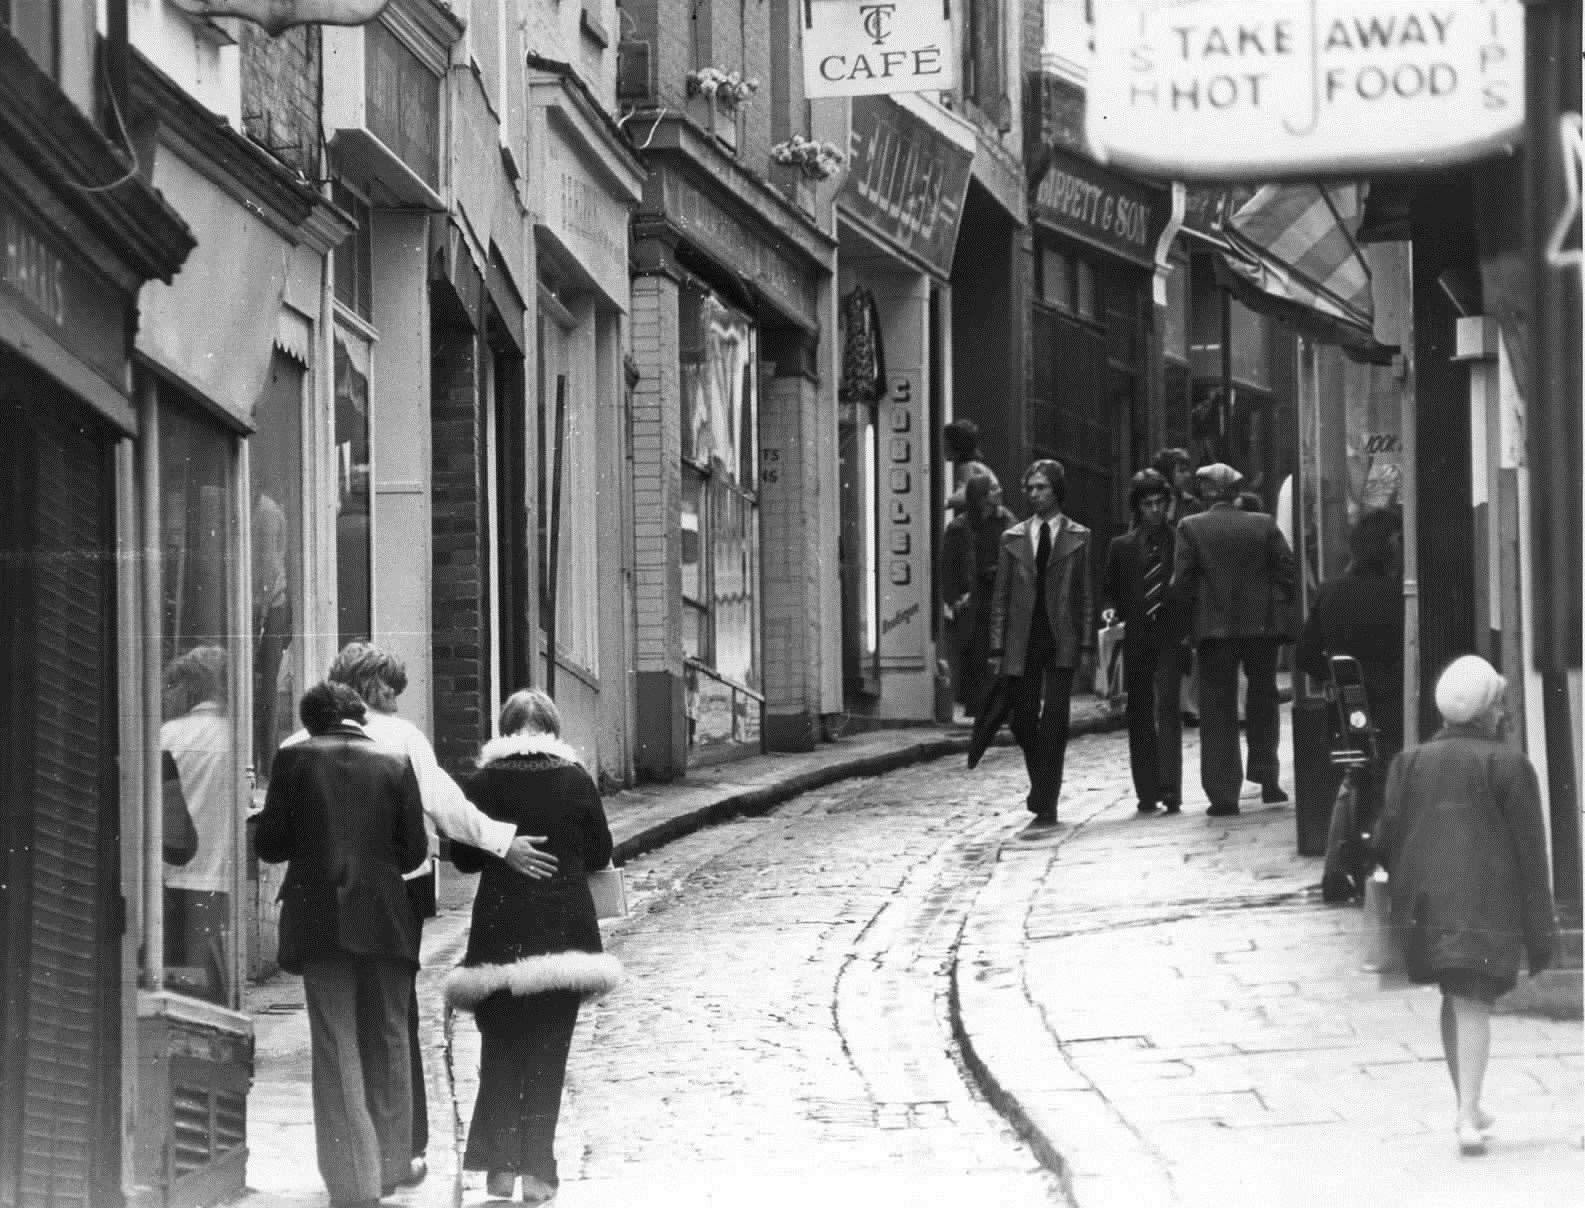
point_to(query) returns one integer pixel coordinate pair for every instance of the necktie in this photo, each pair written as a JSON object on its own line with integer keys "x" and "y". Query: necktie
{"x": 1042, "y": 556}
{"x": 1155, "y": 582}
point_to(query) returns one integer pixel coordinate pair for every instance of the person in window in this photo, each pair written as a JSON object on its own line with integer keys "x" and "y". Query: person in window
{"x": 1463, "y": 839}
{"x": 198, "y": 763}
{"x": 1041, "y": 617}
{"x": 379, "y": 677}
{"x": 534, "y": 949}
{"x": 345, "y": 816}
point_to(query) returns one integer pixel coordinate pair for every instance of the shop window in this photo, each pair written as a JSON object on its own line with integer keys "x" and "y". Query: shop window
{"x": 567, "y": 500}
{"x": 353, "y": 603}
{"x": 1084, "y": 301}
{"x": 1251, "y": 340}
{"x": 1175, "y": 326}
{"x": 275, "y": 466}
{"x": 354, "y": 259}
{"x": 1056, "y": 278}
{"x": 720, "y": 417}
{"x": 200, "y": 769}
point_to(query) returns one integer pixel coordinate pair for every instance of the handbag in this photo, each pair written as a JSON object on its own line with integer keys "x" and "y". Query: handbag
{"x": 1109, "y": 663}
{"x": 608, "y": 888}
{"x": 1385, "y": 944}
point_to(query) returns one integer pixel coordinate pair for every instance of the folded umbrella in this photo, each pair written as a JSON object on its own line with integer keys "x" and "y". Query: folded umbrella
{"x": 994, "y": 711}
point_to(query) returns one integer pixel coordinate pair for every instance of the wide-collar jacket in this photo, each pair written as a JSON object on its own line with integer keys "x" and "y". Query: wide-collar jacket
{"x": 1233, "y": 575}
{"x": 1127, "y": 559}
{"x": 1464, "y": 841}
{"x": 345, "y": 815}
{"x": 1070, "y": 602}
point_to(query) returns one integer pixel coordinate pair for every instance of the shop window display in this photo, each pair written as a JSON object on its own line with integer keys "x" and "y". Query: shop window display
{"x": 200, "y": 771}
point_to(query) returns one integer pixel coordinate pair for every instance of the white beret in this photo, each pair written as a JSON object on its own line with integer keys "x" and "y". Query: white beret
{"x": 1468, "y": 688}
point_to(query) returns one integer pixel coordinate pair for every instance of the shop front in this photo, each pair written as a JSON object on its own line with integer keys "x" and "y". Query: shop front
{"x": 230, "y": 590}
{"x": 1095, "y": 351}
{"x": 586, "y": 182}
{"x": 71, "y": 263}
{"x": 726, "y": 454}
{"x": 898, "y": 215}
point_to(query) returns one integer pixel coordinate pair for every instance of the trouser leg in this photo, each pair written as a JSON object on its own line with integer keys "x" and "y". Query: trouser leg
{"x": 1169, "y": 726}
{"x": 418, "y": 902}
{"x": 1221, "y": 770}
{"x": 385, "y": 989}
{"x": 1051, "y": 737}
{"x": 523, "y": 1047}
{"x": 1263, "y": 723}
{"x": 346, "y": 1143}
{"x": 1139, "y": 684}
{"x": 1026, "y": 728}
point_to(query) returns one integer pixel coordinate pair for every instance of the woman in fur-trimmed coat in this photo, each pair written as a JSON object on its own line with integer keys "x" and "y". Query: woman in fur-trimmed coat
{"x": 534, "y": 950}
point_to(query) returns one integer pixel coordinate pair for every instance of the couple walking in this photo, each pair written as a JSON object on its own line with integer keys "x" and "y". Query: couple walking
{"x": 353, "y": 805}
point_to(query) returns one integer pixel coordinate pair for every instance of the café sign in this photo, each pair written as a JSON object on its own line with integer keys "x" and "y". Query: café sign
{"x": 865, "y": 48}
{"x": 1225, "y": 89}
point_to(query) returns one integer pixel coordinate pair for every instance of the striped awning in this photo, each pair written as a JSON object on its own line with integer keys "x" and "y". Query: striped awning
{"x": 1292, "y": 252}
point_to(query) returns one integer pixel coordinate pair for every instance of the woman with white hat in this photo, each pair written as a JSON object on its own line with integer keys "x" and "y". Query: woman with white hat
{"x": 1463, "y": 838}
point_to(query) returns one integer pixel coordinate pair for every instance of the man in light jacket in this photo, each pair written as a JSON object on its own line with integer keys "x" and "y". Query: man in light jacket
{"x": 1041, "y": 610}
{"x": 1233, "y": 577}
{"x": 379, "y": 677}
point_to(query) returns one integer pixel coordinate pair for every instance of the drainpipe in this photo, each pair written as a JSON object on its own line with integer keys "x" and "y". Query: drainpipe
{"x": 153, "y": 705}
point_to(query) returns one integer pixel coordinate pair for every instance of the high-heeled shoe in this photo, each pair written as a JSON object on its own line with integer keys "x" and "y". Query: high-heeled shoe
{"x": 1471, "y": 1141}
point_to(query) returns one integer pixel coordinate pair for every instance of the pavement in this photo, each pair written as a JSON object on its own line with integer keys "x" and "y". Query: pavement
{"x": 1193, "y": 1031}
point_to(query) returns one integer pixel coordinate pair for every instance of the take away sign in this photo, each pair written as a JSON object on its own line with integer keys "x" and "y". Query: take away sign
{"x": 1226, "y": 89}
{"x": 869, "y": 48}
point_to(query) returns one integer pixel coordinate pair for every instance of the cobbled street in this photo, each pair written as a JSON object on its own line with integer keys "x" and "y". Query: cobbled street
{"x": 783, "y": 1035}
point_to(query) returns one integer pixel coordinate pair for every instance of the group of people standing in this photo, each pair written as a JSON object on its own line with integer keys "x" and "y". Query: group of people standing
{"x": 354, "y": 807}
{"x": 1201, "y": 578}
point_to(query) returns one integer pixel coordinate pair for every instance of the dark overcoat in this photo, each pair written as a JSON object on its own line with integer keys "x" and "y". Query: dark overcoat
{"x": 1070, "y": 605}
{"x": 1233, "y": 575}
{"x": 346, "y": 816}
{"x": 1463, "y": 840}
{"x": 530, "y": 936}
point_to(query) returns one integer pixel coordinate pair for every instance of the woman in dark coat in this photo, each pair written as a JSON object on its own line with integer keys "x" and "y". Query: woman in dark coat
{"x": 534, "y": 951}
{"x": 1463, "y": 840}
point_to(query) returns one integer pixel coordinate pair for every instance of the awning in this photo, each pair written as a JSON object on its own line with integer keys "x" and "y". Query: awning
{"x": 1292, "y": 253}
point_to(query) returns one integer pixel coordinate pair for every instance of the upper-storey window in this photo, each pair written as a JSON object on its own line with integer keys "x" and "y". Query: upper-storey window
{"x": 984, "y": 61}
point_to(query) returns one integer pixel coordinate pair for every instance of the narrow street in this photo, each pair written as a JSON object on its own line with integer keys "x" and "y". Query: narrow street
{"x": 784, "y": 1034}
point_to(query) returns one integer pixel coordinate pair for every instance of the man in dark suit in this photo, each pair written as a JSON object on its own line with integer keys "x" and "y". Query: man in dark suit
{"x": 1138, "y": 572}
{"x": 1233, "y": 573}
{"x": 1041, "y": 610}
{"x": 346, "y": 815}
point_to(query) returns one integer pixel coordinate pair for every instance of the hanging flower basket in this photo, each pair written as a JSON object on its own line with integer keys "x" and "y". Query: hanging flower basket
{"x": 727, "y": 89}
{"x": 817, "y": 160}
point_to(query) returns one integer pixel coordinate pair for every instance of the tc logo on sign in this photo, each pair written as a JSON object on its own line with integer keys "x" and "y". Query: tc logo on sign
{"x": 878, "y": 21}
{"x": 858, "y": 48}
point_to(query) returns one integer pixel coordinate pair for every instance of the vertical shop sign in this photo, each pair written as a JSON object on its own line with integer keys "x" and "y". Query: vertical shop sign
{"x": 867, "y": 47}
{"x": 1222, "y": 89}
{"x": 905, "y": 579}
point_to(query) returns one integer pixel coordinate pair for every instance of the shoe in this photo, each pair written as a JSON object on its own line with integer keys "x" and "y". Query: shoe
{"x": 499, "y": 1184}
{"x": 1223, "y": 810}
{"x": 1146, "y": 808}
{"x": 537, "y": 1191}
{"x": 1250, "y": 790}
{"x": 417, "y": 1172}
{"x": 1273, "y": 794}
{"x": 1471, "y": 1141}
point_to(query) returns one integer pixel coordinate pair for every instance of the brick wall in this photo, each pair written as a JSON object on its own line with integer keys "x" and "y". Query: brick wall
{"x": 460, "y": 618}
{"x": 790, "y": 563}
{"x": 657, "y": 449}
{"x": 280, "y": 94}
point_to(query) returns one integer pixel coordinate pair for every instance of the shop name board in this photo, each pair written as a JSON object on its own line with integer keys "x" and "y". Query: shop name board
{"x": 906, "y": 181}
{"x": 868, "y": 47}
{"x": 1079, "y": 199}
{"x": 403, "y": 101}
{"x": 1221, "y": 89}
{"x": 583, "y": 215}
{"x": 703, "y": 221}
{"x": 65, "y": 300}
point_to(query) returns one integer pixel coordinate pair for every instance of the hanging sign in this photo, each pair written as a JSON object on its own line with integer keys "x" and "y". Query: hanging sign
{"x": 278, "y": 15}
{"x": 858, "y": 48}
{"x": 1225, "y": 89}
